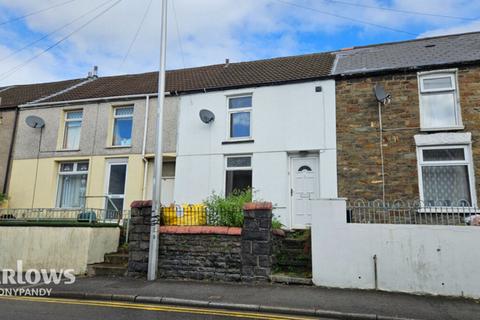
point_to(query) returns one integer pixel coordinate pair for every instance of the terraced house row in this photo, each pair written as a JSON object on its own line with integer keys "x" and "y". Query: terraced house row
{"x": 293, "y": 128}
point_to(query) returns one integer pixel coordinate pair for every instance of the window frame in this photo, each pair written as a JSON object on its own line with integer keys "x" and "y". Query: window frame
{"x": 436, "y": 74}
{"x": 227, "y": 168}
{"x": 114, "y": 118}
{"x": 74, "y": 172}
{"x": 238, "y": 110}
{"x": 65, "y": 128}
{"x": 468, "y": 161}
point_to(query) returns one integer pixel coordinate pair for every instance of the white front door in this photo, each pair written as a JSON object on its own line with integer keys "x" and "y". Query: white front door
{"x": 115, "y": 185}
{"x": 304, "y": 186}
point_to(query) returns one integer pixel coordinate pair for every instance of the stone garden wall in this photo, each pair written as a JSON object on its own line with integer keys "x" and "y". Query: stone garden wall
{"x": 206, "y": 252}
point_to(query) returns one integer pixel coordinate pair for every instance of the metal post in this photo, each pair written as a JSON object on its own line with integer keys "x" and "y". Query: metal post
{"x": 156, "y": 205}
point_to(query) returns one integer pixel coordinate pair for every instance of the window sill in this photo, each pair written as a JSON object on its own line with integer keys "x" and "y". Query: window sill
{"x": 238, "y": 141}
{"x": 117, "y": 147}
{"x": 443, "y": 129}
{"x": 67, "y": 150}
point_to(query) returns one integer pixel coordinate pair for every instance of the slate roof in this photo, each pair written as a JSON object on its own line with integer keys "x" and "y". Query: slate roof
{"x": 213, "y": 77}
{"x": 19, "y": 94}
{"x": 433, "y": 51}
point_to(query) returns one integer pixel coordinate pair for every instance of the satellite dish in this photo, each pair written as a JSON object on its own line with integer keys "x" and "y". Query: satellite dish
{"x": 381, "y": 95}
{"x": 206, "y": 116}
{"x": 35, "y": 122}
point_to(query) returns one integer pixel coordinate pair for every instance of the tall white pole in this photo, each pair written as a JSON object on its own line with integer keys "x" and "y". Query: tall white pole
{"x": 156, "y": 205}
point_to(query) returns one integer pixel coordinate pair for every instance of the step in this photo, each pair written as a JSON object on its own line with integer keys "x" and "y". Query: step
{"x": 293, "y": 244}
{"x": 287, "y": 279}
{"x": 117, "y": 258}
{"x": 107, "y": 269}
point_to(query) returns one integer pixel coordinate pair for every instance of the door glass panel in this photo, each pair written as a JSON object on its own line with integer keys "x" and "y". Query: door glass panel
{"x": 116, "y": 184}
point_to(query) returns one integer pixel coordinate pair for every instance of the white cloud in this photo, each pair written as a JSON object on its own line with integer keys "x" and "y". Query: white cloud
{"x": 211, "y": 30}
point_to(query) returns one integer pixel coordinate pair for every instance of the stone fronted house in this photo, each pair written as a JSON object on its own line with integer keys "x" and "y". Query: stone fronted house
{"x": 431, "y": 127}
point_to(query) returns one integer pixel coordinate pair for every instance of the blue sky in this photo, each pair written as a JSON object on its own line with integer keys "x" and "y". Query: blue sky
{"x": 202, "y": 32}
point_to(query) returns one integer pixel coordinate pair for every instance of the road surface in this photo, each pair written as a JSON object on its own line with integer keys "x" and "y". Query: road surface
{"x": 29, "y": 308}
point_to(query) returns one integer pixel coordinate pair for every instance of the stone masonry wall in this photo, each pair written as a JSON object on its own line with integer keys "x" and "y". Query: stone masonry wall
{"x": 206, "y": 252}
{"x": 200, "y": 256}
{"x": 139, "y": 237}
{"x": 359, "y": 165}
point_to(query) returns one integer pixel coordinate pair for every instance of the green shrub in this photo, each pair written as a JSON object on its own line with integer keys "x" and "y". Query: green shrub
{"x": 3, "y": 197}
{"x": 227, "y": 211}
{"x": 276, "y": 224}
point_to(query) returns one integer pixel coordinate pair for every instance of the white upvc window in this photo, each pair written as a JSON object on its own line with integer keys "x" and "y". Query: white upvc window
{"x": 122, "y": 126}
{"x": 72, "y": 128}
{"x": 72, "y": 184}
{"x": 239, "y": 117}
{"x": 238, "y": 173}
{"x": 446, "y": 177}
{"x": 439, "y": 100}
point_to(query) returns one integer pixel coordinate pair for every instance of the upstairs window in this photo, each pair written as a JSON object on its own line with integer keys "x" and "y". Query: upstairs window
{"x": 238, "y": 174}
{"x": 446, "y": 176}
{"x": 122, "y": 126}
{"x": 239, "y": 115}
{"x": 73, "y": 125}
{"x": 439, "y": 102}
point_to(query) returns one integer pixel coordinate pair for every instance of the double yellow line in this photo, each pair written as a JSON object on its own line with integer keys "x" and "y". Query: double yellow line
{"x": 150, "y": 307}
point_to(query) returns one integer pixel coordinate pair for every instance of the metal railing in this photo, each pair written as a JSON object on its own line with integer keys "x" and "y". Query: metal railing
{"x": 412, "y": 212}
{"x": 87, "y": 215}
{"x": 198, "y": 215}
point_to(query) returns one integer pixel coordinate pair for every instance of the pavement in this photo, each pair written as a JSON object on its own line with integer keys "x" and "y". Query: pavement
{"x": 277, "y": 298}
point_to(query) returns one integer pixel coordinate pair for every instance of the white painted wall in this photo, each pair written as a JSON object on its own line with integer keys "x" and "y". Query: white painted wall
{"x": 285, "y": 119}
{"x": 56, "y": 247}
{"x": 439, "y": 260}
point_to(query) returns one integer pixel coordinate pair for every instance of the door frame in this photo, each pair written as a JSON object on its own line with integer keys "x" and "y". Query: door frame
{"x": 291, "y": 157}
{"x": 108, "y": 166}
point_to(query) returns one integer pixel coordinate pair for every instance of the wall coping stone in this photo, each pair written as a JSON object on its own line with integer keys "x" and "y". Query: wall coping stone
{"x": 138, "y": 204}
{"x": 251, "y": 206}
{"x": 232, "y": 231}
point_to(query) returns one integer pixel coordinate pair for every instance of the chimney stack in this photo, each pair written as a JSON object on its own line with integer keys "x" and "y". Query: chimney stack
{"x": 227, "y": 62}
{"x": 94, "y": 73}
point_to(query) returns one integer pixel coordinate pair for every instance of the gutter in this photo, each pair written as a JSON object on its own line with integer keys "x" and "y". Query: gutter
{"x": 10, "y": 152}
{"x": 133, "y": 96}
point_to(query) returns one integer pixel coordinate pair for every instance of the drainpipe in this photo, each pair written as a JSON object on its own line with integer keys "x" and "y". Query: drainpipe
{"x": 10, "y": 152}
{"x": 144, "y": 147}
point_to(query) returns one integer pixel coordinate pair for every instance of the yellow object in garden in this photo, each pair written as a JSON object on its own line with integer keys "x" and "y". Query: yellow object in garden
{"x": 185, "y": 215}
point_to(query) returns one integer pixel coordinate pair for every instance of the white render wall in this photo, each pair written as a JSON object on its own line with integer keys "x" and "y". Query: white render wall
{"x": 439, "y": 260}
{"x": 285, "y": 119}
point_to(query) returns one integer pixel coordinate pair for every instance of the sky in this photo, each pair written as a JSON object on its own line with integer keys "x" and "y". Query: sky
{"x": 82, "y": 33}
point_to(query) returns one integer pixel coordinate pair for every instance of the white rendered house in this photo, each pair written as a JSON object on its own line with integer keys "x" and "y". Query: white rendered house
{"x": 279, "y": 139}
